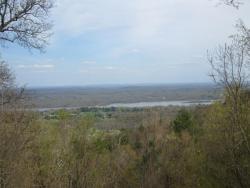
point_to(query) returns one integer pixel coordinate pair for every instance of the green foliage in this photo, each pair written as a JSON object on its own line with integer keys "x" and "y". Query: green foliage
{"x": 72, "y": 152}
{"x": 183, "y": 121}
{"x": 63, "y": 114}
{"x": 225, "y": 147}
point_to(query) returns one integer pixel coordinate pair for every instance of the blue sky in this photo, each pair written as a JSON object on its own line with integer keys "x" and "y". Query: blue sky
{"x": 127, "y": 42}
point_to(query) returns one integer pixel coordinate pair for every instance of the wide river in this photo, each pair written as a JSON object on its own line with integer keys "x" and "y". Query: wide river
{"x": 141, "y": 105}
{"x": 160, "y": 103}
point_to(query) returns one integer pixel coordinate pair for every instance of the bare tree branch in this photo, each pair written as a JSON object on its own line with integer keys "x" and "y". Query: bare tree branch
{"x": 234, "y": 3}
{"x": 25, "y": 22}
{"x": 10, "y": 93}
{"x": 230, "y": 69}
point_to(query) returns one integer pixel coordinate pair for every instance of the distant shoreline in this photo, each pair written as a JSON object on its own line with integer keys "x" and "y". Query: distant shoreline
{"x": 92, "y": 86}
{"x": 123, "y": 96}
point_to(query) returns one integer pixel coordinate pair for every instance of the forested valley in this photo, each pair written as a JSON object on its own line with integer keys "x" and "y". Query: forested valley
{"x": 205, "y": 146}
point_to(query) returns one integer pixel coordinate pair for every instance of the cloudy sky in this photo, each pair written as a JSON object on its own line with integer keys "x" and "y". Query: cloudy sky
{"x": 127, "y": 42}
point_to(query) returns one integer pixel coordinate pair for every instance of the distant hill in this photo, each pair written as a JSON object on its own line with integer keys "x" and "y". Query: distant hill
{"x": 53, "y": 97}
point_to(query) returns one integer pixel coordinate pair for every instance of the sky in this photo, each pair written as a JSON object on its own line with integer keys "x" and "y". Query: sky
{"x": 97, "y": 42}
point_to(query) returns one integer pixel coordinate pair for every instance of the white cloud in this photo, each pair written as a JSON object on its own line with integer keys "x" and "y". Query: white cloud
{"x": 48, "y": 66}
{"x": 135, "y": 50}
{"x": 98, "y": 69}
{"x": 135, "y": 40}
{"x": 78, "y": 16}
{"x": 36, "y": 66}
{"x": 142, "y": 18}
{"x": 118, "y": 52}
{"x": 109, "y": 68}
{"x": 145, "y": 19}
{"x": 87, "y": 62}
{"x": 84, "y": 71}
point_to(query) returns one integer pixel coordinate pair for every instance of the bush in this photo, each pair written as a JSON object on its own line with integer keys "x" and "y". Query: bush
{"x": 183, "y": 121}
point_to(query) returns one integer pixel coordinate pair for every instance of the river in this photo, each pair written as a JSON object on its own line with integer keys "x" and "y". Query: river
{"x": 138, "y": 105}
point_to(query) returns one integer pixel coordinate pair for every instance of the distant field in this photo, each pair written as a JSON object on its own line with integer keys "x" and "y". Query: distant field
{"x": 105, "y": 95}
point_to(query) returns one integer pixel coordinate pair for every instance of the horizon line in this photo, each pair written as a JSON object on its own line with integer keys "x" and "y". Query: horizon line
{"x": 119, "y": 85}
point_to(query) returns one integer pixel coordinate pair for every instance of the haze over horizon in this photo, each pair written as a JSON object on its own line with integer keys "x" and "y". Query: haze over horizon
{"x": 132, "y": 42}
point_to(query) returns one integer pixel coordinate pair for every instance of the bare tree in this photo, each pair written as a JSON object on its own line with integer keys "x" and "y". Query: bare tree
{"x": 230, "y": 69}
{"x": 6, "y": 79}
{"x": 25, "y": 22}
{"x": 10, "y": 93}
{"x": 234, "y": 3}
{"x": 243, "y": 35}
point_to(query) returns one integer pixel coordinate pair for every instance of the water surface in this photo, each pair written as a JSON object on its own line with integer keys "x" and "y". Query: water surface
{"x": 139, "y": 105}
